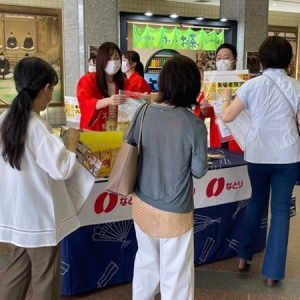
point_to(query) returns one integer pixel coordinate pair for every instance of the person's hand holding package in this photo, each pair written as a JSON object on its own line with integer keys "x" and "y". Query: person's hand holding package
{"x": 72, "y": 137}
{"x": 117, "y": 99}
{"x": 204, "y": 104}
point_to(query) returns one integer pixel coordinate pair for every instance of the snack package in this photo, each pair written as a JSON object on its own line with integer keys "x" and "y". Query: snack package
{"x": 104, "y": 145}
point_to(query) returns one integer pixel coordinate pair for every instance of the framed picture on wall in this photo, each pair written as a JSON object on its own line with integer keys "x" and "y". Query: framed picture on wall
{"x": 252, "y": 63}
{"x": 29, "y": 31}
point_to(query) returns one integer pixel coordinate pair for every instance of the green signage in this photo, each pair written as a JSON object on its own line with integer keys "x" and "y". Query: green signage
{"x": 189, "y": 39}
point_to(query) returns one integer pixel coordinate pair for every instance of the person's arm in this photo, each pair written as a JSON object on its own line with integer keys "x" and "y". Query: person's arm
{"x": 231, "y": 110}
{"x": 112, "y": 100}
{"x": 90, "y": 99}
{"x": 199, "y": 165}
{"x": 203, "y": 109}
{"x": 53, "y": 156}
{"x": 72, "y": 137}
{"x": 298, "y": 117}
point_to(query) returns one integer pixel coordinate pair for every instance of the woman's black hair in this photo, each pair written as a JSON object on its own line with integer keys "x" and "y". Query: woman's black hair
{"x": 30, "y": 75}
{"x": 275, "y": 52}
{"x": 92, "y": 58}
{"x": 104, "y": 52}
{"x": 134, "y": 57}
{"x": 179, "y": 82}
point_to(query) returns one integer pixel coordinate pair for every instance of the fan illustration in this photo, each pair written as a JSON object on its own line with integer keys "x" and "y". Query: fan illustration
{"x": 64, "y": 268}
{"x": 113, "y": 232}
{"x": 201, "y": 222}
{"x": 241, "y": 204}
{"x": 206, "y": 249}
{"x": 234, "y": 244}
{"x": 109, "y": 272}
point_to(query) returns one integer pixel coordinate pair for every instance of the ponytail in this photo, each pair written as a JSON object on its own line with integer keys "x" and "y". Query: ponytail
{"x": 14, "y": 128}
{"x": 30, "y": 76}
{"x": 139, "y": 67}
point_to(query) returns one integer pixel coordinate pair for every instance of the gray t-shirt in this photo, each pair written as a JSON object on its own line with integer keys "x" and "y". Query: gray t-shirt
{"x": 173, "y": 149}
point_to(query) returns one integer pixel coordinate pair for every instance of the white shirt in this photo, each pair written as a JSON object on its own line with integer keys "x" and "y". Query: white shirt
{"x": 273, "y": 136}
{"x": 35, "y": 209}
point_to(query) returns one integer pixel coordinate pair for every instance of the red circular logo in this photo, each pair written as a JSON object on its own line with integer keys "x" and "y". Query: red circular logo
{"x": 100, "y": 206}
{"x": 215, "y": 187}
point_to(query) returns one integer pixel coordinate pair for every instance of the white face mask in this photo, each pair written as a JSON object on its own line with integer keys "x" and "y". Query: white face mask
{"x": 112, "y": 67}
{"x": 92, "y": 69}
{"x": 125, "y": 66}
{"x": 224, "y": 65}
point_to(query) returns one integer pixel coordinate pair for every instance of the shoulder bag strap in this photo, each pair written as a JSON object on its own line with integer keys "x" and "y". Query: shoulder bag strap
{"x": 287, "y": 100}
{"x": 290, "y": 105}
{"x": 143, "y": 109}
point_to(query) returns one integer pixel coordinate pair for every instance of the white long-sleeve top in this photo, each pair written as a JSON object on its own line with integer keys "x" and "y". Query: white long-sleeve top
{"x": 35, "y": 209}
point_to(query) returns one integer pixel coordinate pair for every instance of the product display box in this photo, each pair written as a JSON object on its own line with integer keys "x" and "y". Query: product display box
{"x": 105, "y": 145}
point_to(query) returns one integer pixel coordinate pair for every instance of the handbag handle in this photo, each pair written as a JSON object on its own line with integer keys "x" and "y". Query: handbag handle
{"x": 141, "y": 125}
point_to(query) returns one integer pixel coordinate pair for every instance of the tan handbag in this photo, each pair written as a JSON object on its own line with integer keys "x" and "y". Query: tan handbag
{"x": 124, "y": 171}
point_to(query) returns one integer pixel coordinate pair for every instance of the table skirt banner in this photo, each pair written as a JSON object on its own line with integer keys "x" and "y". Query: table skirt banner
{"x": 101, "y": 253}
{"x": 97, "y": 256}
{"x": 215, "y": 188}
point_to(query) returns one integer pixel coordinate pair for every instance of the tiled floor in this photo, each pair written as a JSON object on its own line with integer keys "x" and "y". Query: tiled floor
{"x": 220, "y": 280}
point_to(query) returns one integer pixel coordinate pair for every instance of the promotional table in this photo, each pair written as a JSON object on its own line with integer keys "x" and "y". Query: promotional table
{"x": 102, "y": 251}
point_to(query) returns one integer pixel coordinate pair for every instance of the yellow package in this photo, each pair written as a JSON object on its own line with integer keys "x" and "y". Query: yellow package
{"x": 123, "y": 126}
{"x": 105, "y": 159}
{"x": 101, "y": 144}
{"x": 113, "y": 155}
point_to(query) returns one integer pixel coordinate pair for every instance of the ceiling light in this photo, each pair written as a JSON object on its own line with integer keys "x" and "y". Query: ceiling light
{"x": 200, "y": 18}
{"x": 173, "y": 16}
{"x": 148, "y": 13}
{"x": 274, "y": 4}
{"x": 223, "y": 19}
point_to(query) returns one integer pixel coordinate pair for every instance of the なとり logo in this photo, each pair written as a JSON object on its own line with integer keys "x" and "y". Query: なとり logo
{"x": 216, "y": 186}
{"x": 106, "y": 202}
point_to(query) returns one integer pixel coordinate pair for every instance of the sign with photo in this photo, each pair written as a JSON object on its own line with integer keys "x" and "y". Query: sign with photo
{"x": 29, "y": 31}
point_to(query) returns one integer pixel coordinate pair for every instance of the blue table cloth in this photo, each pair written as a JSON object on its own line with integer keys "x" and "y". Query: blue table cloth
{"x": 99, "y": 255}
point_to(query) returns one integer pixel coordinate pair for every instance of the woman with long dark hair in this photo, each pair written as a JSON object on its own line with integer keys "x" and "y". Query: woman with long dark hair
{"x": 97, "y": 92}
{"x": 36, "y": 212}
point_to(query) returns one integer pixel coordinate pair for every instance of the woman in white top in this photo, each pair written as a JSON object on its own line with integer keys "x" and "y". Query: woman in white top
{"x": 36, "y": 212}
{"x": 272, "y": 151}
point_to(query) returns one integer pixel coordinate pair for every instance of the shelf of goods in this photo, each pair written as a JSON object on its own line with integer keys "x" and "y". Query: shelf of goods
{"x": 158, "y": 59}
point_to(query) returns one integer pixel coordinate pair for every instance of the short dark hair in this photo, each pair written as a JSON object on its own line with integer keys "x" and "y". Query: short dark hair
{"x": 1, "y": 53}
{"x": 275, "y": 52}
{"x": 179, "y": 82}
{"x": 228, "y": 46}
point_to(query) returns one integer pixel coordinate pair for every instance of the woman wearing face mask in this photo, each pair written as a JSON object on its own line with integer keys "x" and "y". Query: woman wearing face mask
{"x": 92, "y": 63}
{"x": 134, "y": 70}
{"x": 97, "y": 92}
{"x": 226, "y": 58}
{"x": 36, "y": 212}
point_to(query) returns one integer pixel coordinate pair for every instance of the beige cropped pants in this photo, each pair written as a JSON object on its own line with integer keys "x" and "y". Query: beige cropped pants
{"x": 39, "y": 265}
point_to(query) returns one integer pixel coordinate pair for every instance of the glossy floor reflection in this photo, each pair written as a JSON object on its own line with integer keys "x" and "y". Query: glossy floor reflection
{"x": 220, "y": 280}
